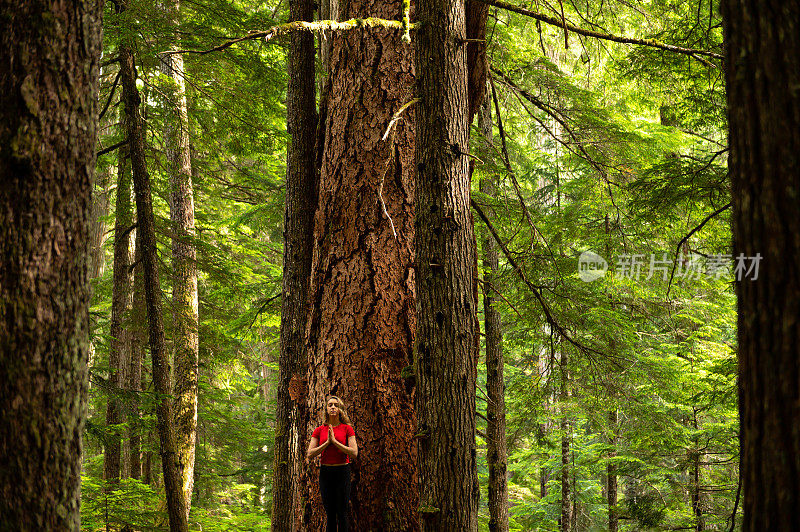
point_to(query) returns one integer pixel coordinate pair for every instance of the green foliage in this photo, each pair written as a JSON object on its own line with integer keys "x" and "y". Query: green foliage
{"x": 239, "y": 512}
{"x": 237, "y": 137}
{"x": 619, "y": 150}
{"x": 132, "y": 503}
{"x": 614, "y": 148}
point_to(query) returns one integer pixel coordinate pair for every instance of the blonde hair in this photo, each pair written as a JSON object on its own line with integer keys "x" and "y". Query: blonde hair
{"x": 343, "y": 417}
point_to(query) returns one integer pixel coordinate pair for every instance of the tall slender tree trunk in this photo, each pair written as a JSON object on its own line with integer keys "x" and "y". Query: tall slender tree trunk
{"x": 576, "y": 505}
{"x": 100, "y": 207}
{"x": 170, "y": 463}
{"x": 121, "y": 300}
{"x": 298, "y": 244}
{"x": 611, "y": 472}
{"x": 566, "y": 479}
{"x": 137, "y": 338}
{"x": 97, "y": 232}
{"x": 543, "y": 479}
{"x": 763, "y": 74}
{"x": 123, "y": 166}
{"x": 147, "y": 464}
{"x": 545, "y": 366}
{"x": 361, "y": 328}
{"x": 697, "y": 507}
{"x": 696, "y": 457}
{"x": 48, "y": 126}
{"x": 101, "y": 202}
{"x": 328, "y": 10}
{"x": 613, "y": 427}
{"x": 495, "y": 384}
{"x": 566, "y": 484}
{"x": 446, "y": 342}
{"x": 184, "y": 263}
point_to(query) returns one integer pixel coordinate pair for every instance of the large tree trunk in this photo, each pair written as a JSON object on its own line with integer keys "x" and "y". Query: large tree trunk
{"x": 298, "y": 242}
{"x": 362, "y": 324}
{"x": 176, "y": 506}
{"x": 48, "y": 93}
{"x": 446, "y": 342}
{"x": 184, "y": 264}
{"x": 763, "y": 75}
{"x": 496, "y": 452}
{"x": 132, "y": 410}
{"x": 121, "y": 300}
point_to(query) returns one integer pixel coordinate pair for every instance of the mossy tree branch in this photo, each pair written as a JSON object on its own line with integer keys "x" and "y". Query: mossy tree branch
{"x": 299, "y": 25}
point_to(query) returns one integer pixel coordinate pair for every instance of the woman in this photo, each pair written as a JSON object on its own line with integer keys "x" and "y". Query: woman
{"x": 336, "y": 440}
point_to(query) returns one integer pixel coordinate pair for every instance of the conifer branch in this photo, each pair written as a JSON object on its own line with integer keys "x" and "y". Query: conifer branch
{"x": 556, "y": 116}
{"x": 537, "y": 292}
{"x": 567, "y": 26}
{"x": 510, "y": 170}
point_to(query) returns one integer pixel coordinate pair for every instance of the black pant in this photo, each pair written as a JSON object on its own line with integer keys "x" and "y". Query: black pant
{"x": 334, "y": 486}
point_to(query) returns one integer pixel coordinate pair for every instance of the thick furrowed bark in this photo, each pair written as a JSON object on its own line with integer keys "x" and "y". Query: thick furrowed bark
{"x": 762, "y": 68}
{"x": 445, "y": 346}
{"x": 362, "y": 290}
{"x": 301, "y": 200}
{"x": 48, "y": 105}
{"x": 184, "y": 265}
{"x": 121, "y": 300}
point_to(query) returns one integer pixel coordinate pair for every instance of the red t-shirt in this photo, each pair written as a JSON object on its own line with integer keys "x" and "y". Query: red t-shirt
{"x": 332, "y": 455}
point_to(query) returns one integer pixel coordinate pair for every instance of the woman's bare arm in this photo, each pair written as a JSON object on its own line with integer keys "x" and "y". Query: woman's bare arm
{"x": 351, "y": 449}
{"x": 314, "y": 448}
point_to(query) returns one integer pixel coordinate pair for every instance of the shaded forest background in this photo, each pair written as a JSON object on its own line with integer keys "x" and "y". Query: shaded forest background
{"x": 594, "y": 145}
